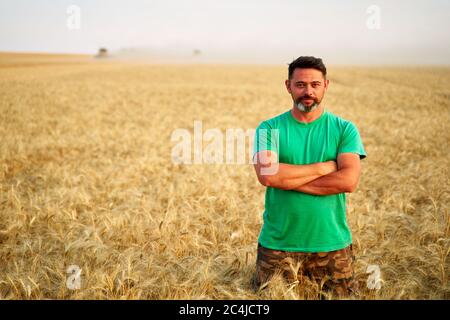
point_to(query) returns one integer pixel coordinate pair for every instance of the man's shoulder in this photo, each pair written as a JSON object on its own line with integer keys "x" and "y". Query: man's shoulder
{"x": 339, "y": 121}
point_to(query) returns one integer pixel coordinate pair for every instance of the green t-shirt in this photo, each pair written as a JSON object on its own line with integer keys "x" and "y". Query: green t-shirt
{"x": 296, "y": 221}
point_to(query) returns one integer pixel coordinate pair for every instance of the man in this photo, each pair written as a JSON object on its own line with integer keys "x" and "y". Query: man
{"x": 308, "y": 158}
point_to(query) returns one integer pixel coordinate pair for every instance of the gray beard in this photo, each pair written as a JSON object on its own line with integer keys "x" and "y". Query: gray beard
{"x": 300, "y": 106}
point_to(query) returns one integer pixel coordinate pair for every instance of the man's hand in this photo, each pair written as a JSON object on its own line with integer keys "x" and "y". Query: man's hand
{"x": 345, "y": 179}
{"x": 328, "y": 167}
{"x": 285, "y": 176}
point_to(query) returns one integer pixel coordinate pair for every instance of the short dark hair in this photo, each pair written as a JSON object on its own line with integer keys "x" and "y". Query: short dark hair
{"x": 306, "y": 62}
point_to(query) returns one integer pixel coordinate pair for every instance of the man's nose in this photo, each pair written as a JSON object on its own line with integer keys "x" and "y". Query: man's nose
{"x": 309, "y": 90}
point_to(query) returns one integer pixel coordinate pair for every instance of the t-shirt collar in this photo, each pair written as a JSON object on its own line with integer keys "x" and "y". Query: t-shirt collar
{"x": 314, "y": 122}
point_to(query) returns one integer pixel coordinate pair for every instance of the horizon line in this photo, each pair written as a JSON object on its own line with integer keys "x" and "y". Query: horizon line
{"x": 180, "y": 61}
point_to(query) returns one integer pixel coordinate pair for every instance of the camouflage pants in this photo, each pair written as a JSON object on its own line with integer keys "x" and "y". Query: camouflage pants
{"x": 334, "y": 269}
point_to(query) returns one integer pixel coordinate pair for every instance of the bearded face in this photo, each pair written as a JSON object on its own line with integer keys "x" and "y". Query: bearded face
{"x": 307, "y": 88}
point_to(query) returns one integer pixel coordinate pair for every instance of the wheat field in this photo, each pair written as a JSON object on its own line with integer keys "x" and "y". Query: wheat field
{"x": 87, "y": 179}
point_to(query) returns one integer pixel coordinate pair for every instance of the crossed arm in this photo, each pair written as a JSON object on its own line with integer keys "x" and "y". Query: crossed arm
{"x": 319, "y": 178}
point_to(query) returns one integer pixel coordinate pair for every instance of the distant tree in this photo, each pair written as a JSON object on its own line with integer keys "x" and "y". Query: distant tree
{"x": 102, "y": 53}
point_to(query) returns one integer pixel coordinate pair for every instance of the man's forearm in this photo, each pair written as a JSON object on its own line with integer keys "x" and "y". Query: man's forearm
{"x": 332, "y": 183}
{"x": 289, "y": 176}
{"x": 292, "y": 183}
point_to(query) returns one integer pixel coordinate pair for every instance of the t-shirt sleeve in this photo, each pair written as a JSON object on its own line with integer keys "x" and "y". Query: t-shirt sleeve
{"x": 265, "y": 138}
{"x": 351, "y": 141}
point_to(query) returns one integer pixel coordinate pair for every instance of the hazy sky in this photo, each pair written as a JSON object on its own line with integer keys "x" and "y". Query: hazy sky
{"x": 392, "y": 32}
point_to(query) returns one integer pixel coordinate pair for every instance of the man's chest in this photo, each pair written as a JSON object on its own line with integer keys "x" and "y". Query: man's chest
{"x": 308, "y": 145}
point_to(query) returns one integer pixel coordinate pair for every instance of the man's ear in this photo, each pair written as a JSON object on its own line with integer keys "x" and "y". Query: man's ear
{"x": 327, "y": 83}
{"x": 288, "y": 85}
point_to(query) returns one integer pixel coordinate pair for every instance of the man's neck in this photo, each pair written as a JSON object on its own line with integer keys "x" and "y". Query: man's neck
{"x": 307, "y": 117}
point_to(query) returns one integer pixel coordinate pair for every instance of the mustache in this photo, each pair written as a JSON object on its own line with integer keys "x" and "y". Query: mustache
{"x": 306, "y": 97}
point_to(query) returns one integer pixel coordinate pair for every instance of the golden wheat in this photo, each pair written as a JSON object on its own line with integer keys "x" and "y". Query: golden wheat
{"x": 87, "y": 179}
